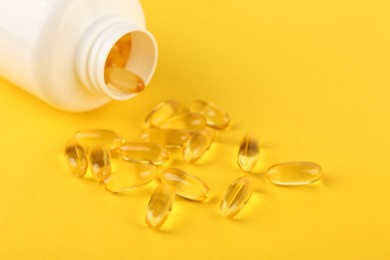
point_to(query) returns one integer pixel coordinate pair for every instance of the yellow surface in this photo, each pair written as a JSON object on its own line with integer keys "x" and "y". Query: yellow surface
{"x": 310, "y": 78}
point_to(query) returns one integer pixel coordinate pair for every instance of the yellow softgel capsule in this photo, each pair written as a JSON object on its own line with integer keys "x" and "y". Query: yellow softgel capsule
{"x": 248, "y": 153}
{"x": 215, "y": 116}
{"x": 162, "y": 112}
{"x": 120, "y": 52}
{"x": 186, "y": 185}
{"x": 236, "y": 196}
{"x": 160, "y": 205}
{"x": 144, "y": 153}
{"x": 199, "y": 142}
{"x": 166, "y": 137}
{"x": 128, "y": 176}
{"x": 76, "y": 158}
{"x": 123, "y": 80}
{"x": 185, "y": 121}
{"x": 294, "y": 173}
{"x": 98, "y": 137}
{"x": 100, "y": 163}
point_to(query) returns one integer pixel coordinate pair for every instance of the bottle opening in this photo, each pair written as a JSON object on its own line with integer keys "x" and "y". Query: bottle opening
{"x": 116, "y": 58}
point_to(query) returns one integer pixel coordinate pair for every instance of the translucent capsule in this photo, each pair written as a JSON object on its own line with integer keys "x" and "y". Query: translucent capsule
{"x": 76, "y": 158}
{"x": 294, "y": 173}
{"x": 185, "y": 121}
{"x": 98, "y": 137}
{"x": 215, "y": 116}
{"x": 129, "y": 175}
{"x": 144, "y": 153}
{"x": 199, "y": 142}
{"x": 120, "y": 52}
{"x": 123, "y": 80}
{"x": 160, "y": 205}
{"x": 248, "y": 153}
{"x": 162, "y": 112}
{"x": 166, "y": 137}
{"x": 187, "y": 186}
{"x": 100, "y": 163}
{"x": 236, "y": 196}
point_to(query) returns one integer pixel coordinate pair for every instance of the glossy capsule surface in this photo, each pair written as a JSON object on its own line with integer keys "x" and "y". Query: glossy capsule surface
{"x": 294, "y": 173}
{"x": 165, "y": 137}
{"x": 120, "y": 52}
{"x": 123, "y": 80}
{"x": 185, "y": 121}
{"x": 100, "y": 163}
{"x": 215, "y": 116}
{"x": 128, "y": 176}
{"x": 186, "y": 185}
{"x": 144, "y": 153}
{"x": 236, "y": 196}
{"x": 199, "y": 142}
{"x": 160, "y": 205}
{"x": 248, "y": 153}
{"x": 162, "y": 112}
{"x": 76, "y": 158}
{"x": 98, "y": 137}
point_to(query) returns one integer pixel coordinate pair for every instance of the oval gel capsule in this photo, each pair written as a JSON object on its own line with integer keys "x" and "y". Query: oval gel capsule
{"x": 248, "y": 153}
{"x": 187, "y": 186}
{"x": 76, "y": 158}
{"x": 100, "y": 163}
{"x": 199, "y": 142}
{"x": 185, "y": 121}
{"x": 144, "y": 153}
{"x": 162, "y": 112}
{"x": 160, "y": 205}
{"x": 236, "y": 196}
{"x": 294, "y": 173}
{"x": 98, "y": 137}
{"x": 215, "y": 117}
{"x": 129, "y": 176}
{"x": 165, "y": 137}
{"x": 123, "y": 80}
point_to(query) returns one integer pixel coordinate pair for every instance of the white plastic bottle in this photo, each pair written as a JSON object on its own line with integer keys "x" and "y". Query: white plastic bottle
{"x": 57, "y": 49}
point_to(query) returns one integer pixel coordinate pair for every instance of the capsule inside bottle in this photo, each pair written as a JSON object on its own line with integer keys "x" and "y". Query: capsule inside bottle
{"x": 294, "y": 173}
{"x": 160, "y": 205}
{"x": 186, "y": 185}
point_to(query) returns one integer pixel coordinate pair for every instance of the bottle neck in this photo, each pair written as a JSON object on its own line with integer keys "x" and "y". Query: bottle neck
{"x": 96, "y": 45}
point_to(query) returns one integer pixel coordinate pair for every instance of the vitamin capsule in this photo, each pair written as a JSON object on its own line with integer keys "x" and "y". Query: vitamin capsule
{"x": 120, "y": 52}
{"x": 187, "y": 186}
{"x": 160, "y": 205}
{"x": 100, "y": 165}
{"x": 215, "y": 116}
{"x": 166, "y": 137}
{"x": 98, "y": 137}
{"x": 198, "y": 144}
{"x": 248, "y": 153}
{"x": 294, "y": 173}
{"x": 162, "y": 112}
{"x": 129, "y": 176}
{"x": 124, "y": 80}
{"x": 144, "y": 153}
{"x": 236, "y": 196}
{"x": 76, "y": 158}
{"x": 185, "y": 121}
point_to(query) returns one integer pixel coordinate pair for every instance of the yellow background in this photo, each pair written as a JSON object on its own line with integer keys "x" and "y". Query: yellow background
{"x": 310, "y": 78}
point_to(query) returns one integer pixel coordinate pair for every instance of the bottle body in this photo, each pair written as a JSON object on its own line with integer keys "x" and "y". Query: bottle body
{"x": 56, "y": 49}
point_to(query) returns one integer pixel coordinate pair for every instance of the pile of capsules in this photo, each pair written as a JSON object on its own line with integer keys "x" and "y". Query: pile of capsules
{"x": 122, "y": 166}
